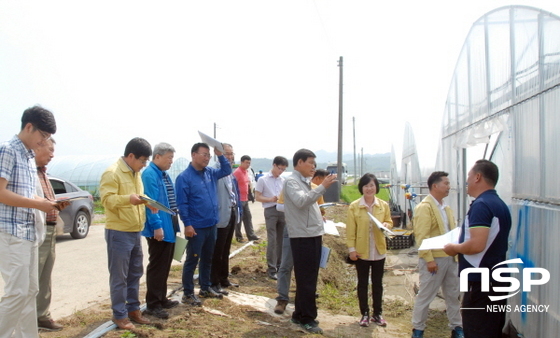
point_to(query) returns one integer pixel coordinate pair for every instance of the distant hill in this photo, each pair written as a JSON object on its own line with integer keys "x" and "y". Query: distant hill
{"x": 377, "y": 163}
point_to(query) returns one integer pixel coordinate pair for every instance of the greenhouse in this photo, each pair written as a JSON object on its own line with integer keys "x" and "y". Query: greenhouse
{"x": 86, "y": 171}
{"x": 504, "y": 105}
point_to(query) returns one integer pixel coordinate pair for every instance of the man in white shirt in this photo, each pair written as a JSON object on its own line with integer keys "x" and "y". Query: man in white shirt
{"x": 267, "y": 191}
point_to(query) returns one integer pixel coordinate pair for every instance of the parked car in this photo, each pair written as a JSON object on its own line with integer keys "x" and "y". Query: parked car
{"x": 77, "y": 216}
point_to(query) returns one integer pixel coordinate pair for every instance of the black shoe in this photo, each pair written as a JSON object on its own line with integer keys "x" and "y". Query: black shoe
{"x": 254, "y": 238}
{"x": 169, "y": 304}
{"x": 295, "y": 321}
{"x": 218, "y": 289}
{"x": 227, "y": 284}
{"x": 210, "y": 293}
{"x": 312, "y": 328}
{"x": 191, "y": 299}
{"x": 157, "y": 312}
{"x": 273, "y": 276}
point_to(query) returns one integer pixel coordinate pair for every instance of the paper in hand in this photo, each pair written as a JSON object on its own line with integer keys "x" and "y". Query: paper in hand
{"x": 70, "y": 199}
{"x": 157, "y": 205}
{"x": 383, "y": 228}
{"x": 212, "y": 142}
{"x": 439, "y": 242}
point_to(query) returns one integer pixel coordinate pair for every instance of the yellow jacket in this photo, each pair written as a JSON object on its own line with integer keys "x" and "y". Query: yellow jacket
{"x": 358, "y": 226}
{"x": 118, "y": 182}
{"x": 428, "y": 223}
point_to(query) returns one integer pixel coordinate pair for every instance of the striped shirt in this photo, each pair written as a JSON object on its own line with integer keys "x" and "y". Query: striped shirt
{"x": 49, "y": 194}
{"x": 17, "y": 166}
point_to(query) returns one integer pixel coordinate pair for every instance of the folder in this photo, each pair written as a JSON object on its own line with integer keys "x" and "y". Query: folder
{"x": 180, "y": 245}
{"x": 325, "y": 253}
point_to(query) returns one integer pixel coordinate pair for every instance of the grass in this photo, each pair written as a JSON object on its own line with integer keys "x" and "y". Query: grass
{"x": 98, "y": 207}
{"x": 350, "y": 193}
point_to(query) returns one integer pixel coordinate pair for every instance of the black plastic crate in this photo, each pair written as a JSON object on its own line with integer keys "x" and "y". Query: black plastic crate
{"x": 400, "y": 241}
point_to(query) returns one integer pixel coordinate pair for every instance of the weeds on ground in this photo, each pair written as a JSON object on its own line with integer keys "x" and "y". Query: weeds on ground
{"x": 98, "y": 207}
{"x": 128, "y": 334}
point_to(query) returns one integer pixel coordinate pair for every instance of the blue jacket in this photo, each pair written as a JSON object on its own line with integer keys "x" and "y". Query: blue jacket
{"x": 154, "y": 187}
{"x": 197, "y": 197}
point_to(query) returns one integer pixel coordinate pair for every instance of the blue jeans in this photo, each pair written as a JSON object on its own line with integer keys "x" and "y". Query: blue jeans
{"x": 200, "y": 247}
{"x": 286, "y": 267}
{"x": 124, "y": 253}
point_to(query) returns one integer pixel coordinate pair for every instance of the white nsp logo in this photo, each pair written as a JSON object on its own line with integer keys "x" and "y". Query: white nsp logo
{"x": 497, "y": 276}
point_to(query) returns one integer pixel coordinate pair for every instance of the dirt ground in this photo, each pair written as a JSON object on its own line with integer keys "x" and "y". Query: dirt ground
{"x": 248, "y": 310}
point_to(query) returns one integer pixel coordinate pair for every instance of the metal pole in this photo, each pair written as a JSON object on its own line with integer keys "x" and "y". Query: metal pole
{"x": 355, "y": 164}
{"x": 215, "y": 158}
{"x": 362, "y": 163}
{"x": 339, "y": 157}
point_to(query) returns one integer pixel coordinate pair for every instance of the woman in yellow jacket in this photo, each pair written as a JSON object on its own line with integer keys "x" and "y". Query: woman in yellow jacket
{"x": 367, "y": 246}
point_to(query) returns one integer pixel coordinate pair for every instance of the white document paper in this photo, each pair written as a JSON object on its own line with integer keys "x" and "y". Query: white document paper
{"x": 212, "y": 142}
{"x": 381, "y": 226}
{"x": 330, "y": 228}
{"x": 439, "y": 242}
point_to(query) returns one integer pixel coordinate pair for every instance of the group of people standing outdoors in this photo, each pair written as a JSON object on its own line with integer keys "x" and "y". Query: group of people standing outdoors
{"x": 211, "y": 202}
{"x": 483, "y": 243}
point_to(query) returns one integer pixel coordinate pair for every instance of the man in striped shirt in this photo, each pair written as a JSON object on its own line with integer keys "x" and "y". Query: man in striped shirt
{"x": 160, "y": 231}
{"x": 43, "y": 155}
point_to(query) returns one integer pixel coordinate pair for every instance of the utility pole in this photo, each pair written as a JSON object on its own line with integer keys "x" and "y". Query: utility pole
{"x": 362, "y": 163}
{"x": 355, "y": 163}
{"x": 339, "y": 157}
{"x": 215, "y": 158}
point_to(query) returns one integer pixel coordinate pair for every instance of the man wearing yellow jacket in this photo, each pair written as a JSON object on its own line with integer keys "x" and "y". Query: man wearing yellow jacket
{"x": 433, "y": 218}
{"x": 120, "y": 189}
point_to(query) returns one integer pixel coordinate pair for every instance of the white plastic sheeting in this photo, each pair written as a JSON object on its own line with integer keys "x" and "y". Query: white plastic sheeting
{"x": 85, "y": 171}
{"x": 504, "y": 105}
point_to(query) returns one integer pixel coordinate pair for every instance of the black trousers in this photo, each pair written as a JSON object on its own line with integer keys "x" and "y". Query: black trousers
{"x": 220, "y": 259}
{"x": 363, "y": 269}
{"x": 306, "y": 252}
{"x": 157, "y": 272}
{"x": 480, "y": 323}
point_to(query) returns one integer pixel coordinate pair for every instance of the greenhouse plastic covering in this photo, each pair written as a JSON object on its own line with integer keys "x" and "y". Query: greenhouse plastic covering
{"x": 504, "y": 105}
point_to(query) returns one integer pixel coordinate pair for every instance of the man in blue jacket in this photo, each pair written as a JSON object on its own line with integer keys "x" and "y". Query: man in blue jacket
{"x": 197, "y": 201}
{"x": 159, "y": 230}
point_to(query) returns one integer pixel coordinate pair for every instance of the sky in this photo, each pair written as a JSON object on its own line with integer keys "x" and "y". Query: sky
{"x": 265, "y": 72}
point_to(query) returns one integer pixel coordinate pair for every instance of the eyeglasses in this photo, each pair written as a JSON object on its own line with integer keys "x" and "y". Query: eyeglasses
{"x": 229, "y": 154}
{"x": 280, "y": 168}
{"x": 46, "y": 136}
{"x": 142, "y": 161}
{"x": 205, "y": 155}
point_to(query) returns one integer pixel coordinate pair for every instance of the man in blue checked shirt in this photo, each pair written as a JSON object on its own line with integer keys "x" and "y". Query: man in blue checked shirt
{"x": 19, "y": 240}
